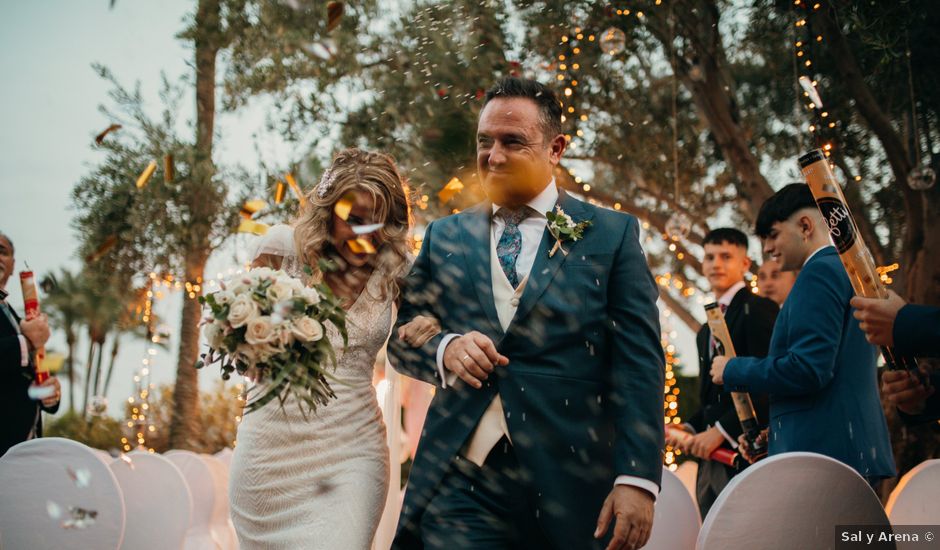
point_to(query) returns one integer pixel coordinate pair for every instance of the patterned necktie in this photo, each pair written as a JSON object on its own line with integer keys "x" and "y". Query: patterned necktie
{"x": 510, "y": 242}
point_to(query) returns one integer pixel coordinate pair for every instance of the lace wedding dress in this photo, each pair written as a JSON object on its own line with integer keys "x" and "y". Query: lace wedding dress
{"x": 319, "y": 482}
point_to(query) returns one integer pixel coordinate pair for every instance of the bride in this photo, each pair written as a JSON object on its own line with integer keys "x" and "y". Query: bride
{"x": 320, "y": 481}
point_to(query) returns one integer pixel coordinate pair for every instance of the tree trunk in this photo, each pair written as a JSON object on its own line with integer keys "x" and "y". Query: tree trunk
{"x": 714, "y": 96}
{"x": 98, "y": 361}
{"x": 114, "y": 352}
{"x": 70, "y": 364}
{"x": 184, "y": 424}
{"x": 88, "y": 375}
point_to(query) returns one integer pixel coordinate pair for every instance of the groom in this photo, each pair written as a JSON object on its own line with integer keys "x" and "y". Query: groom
{"x": 546, "y": 428}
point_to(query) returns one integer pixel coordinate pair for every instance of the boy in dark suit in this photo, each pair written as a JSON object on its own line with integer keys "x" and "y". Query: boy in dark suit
{"x": 750, "y": 320}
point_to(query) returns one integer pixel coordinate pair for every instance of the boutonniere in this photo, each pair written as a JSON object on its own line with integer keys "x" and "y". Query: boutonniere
{"x": 563, "y": 228}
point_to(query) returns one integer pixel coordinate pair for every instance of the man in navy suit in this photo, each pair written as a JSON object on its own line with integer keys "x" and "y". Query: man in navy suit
{"x": 18, "y": 341}
{"x": 546, "y": 430}
{"x": 912, "y": 330}
{"x": 820, "y": 372}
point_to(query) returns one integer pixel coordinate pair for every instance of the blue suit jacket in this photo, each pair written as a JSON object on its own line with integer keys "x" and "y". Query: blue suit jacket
{"x": 582, "y": 393}
{"x": 821, "y": 375}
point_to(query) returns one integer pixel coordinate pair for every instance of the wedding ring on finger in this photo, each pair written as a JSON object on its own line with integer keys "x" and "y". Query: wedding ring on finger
{"x": 463, "y": 360}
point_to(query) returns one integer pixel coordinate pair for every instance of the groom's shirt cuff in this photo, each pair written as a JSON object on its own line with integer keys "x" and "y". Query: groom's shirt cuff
{"x": 644, "y": 484}
{"x": 447, "y": 378}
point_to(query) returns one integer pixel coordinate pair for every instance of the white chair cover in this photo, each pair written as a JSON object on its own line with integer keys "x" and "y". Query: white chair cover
{"x": 792, "y": 500}
{"x": 202, "y": 488}
{"x": 46, "y": 485}
{"x": 675, "y": 520}
{"x": 688, "y": 473}
{"x": 225, "y": 455}
{"x": 222, "y": 529}
{"x": 156, "y": 497}
{"x": 916, "y": 499}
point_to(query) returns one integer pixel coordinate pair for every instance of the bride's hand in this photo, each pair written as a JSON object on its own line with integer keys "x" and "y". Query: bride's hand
{"x": 419, "y": 330}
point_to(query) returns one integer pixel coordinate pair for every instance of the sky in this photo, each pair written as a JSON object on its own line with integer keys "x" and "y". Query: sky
{"x": 49, "y": 108}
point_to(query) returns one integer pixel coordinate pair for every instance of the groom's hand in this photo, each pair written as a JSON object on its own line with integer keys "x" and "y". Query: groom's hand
{"x": 633, "y": 509}
{"x": 472, "y": 357}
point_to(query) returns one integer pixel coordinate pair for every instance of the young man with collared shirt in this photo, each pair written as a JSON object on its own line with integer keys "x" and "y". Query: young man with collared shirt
{"x": 750, "y": 320}
{"x": 820, "y": 372}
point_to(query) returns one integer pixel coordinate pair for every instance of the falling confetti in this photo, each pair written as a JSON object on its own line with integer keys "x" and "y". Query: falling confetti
{"x": 81, "y": 477}
{"x": 453, "y": 187}
{"x": 334, "y": 12}
{"x": 810, "y": 88}
{"x": 366, "y": 229}
{"x": 146, "y": 174}
{"x": 169, "y": 171}
{"x": 295, "y": 188}
{"x": 252, "y": 207}
{"x": 343, "y": 207}
{"x": 361, "y": 246}
{"x": 99, "y": 139}
{"x": 80, "y": 518}
{"x": 251, "y": 226}
{"x": 107, "y": 245}
{"x": 279, "y": 193}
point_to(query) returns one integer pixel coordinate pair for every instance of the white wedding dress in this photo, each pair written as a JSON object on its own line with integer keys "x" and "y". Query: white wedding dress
{"x": 319, "y": 482}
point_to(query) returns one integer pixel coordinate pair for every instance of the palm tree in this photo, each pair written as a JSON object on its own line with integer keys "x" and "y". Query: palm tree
{"x": 65, "y": 307}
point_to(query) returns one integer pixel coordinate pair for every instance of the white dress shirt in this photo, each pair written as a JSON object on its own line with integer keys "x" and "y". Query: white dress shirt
{"x": 532, "y": 230}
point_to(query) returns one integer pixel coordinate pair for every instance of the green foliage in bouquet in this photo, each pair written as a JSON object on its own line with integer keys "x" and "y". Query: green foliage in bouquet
{"x": 270, "y": 326}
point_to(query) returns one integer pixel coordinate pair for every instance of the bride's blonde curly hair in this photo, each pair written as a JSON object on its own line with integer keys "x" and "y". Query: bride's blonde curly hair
{"x": 374, "y": 173}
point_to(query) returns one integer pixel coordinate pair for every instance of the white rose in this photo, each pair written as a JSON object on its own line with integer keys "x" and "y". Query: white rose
{"x": 307, "y": 329}
{"x": 260, "y": 273}
{"x": 310, "y": 295}
{"x": 240, "y": 286}
{"x": 260, "y": 330}
{"x": 295, "y": 284}
{"x": 213, "y": 335}
{"x": 279, "y": 291}
{"x": 243, "y": 309}
{"x": 224, "y": 297}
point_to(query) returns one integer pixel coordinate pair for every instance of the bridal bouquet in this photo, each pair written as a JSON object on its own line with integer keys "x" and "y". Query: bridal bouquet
{"x": 271, "y": 326}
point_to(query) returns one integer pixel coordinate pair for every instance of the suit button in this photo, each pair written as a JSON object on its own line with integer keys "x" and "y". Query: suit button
{"x": 514, "y": 302}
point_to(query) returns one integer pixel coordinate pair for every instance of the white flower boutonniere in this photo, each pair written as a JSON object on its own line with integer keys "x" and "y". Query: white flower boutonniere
{"x": 563, "y": 228}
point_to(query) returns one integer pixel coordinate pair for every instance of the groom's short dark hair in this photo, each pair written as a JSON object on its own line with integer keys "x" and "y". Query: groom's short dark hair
{"x": 542, "y": 95}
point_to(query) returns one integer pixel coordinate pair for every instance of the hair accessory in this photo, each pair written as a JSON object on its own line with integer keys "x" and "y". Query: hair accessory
{"x": 325, "y": 183}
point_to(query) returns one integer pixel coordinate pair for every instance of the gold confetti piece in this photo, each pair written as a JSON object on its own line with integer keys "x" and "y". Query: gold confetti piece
{"x": 453, "y": 187}
{"x": 169, "y": 172}
{"x": 279, "y": 193}
{"x": 251, "y": 226}
{"x": 146, "y": 174}
{"x": 334, "y": 12}
{"x": 296, "y": 188}
{"x": 99, "y": 139}
{"x": 107, "y": 245}
{"x": 343, "y": 208}
{"x": 252, "y": 207}
{"x": 361, "y": 246}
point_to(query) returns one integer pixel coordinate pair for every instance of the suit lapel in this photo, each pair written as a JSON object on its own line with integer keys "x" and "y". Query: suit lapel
{"x": 476, "y": 252}
{"x": 545, "y": 268}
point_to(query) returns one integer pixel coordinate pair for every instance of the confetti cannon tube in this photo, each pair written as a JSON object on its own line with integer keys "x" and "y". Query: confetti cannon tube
{"x": 727, "y": 457}
{"x": 31, "y": 307}
{"x": 742, "y": 401}
{"x": 854, "y": 253}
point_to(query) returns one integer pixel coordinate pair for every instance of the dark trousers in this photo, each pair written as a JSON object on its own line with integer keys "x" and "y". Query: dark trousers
{"x": 711, "y": 480}
{"x": 484, "y": 508}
